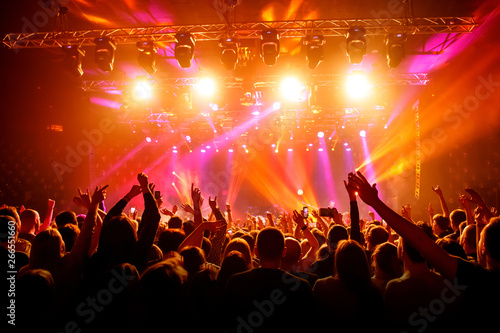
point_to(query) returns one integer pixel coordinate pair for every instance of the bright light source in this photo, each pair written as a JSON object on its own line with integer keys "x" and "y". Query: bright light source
{"x": 206, "y": 86}
{"x": 293, "y": 90}
{"x": 276, "y": 106}
{"x": 362, "y": 133}
{"x": 321, "y": 134}
{"x": 173, "y": 172}
{"x": 320, "y": 149}
{"x": 142, "y": 90}
{"x": 203, "y": 151}
{"x": 214, "y": 107}
{"x": 357, "y": 85}
{"x": 230, "y": 150}
{"x": 148, "y": 139}
{"x": 188, "y": 138}
{"x": 348, "y": 149}
{"x": 255, "y": 113}
{"x": 173, "y": 184}
{"x": 174, "y": 151}
{"x": 300, "y": 192}
{"x": 346, "y": 144}
{"x": 290, "y": 149}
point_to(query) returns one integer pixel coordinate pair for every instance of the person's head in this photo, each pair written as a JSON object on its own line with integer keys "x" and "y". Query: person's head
{"x": 270, "y": 245}
{"x": 34, "y": 299}
{"x": 117, "y": 240}
{"x": 456, "y": 217}
{"x": 452, "y": 247}
{"x": 234, "y": 262}
{"x": 188, "y": 227}
{"x": 240, "y": 245}
{"x": 12, "y": 212}
{"x": 66, "y": 217}
{"x": 386, "y": 263}
{"x": 47, "y": 250}
{"x": 352, "y": 265}
{"x": 335, "y": 235}
{"x": 406, "y": 252}
{"x": 80, "y": 218}
{"x": 376, "y": 235}
{"x": 489, "y": 243}
{"x": 468, "y": 239}
{"x": 293, "y": 254}
{"x": 30, "y": 221}
{"x": 318, "y": 234}
{"x": 193, "y": 258}
{"x": 169, "y": 240}
{"x": 250, "y": 240}
{"x": 440, "y": 224}
{"x": 69, "y": 233}
{"x": 8, "y": 226}
{"x": 175, "y": 222}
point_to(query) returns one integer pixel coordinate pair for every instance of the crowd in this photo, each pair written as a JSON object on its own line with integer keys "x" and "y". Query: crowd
{"x": 112, "y": 271}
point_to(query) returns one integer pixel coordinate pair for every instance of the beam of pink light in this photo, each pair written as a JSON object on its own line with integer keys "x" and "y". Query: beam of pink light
{"x": 327, "y": 172}
{"x": 105, "y": 102}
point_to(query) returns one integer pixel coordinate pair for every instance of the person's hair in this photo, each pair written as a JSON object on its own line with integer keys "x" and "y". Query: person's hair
{"x": 378, "y": 235}
{"x": 336, "y": 234}
{"x": 270, "y": 244}
{"x": 352, "y": 266}
{"x": 386, "y": 258}
{"x": 193, "y": 258}
{"x": 28, "y": 219}
{"x": 250, "y": 240}
{"x": 323, "y": 251}
{"x": 206, "y": 246}
{"x": 170, "y": 239}
{"x": 442, "y": 221}
{"x": 188, "y": 227}
{"x": 234, "y": 262}
{"x": 457, "y": 216}
{"x": 69, "y": 233}
{"x": 47, "y": 250}
{"x": 427, "y": 229}
{"x": 293, "y": 251}
{"x": 117, "y": 240}
{"x": 6, "y": 224}
{"x": 412, "y": 252}
{"x": 492, "y": 238}
{"x": 452, "y": 247}
{"x": 468, "y": 236}
{"x": 11, "y": 211}
{"x": 66, "y": 217}
{"x": 175, "y": 222}
{"x": 240, "y": 245}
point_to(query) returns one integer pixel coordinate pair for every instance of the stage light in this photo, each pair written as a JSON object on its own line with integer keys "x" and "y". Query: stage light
{"x": 290, "y": 149}
{"x": 314, "y": 50}
{"x": 147, "y": 55}
{"x": 321, "y": 134}
{"x": 276, "y": 106}
{"x": 229, "y": 52}
{"x": 230, "y": 150}
{"x": 255, "y": 113}
{"x": 320, "y": 149}
{"x": 300, "y": 192}
{"x": 395, "y": 49}
{"x": 348, "y": 149}
{"x": 142, "y": 90}
{"x": 203, "y": 151}
{"x": 214, "y": 107}
{"x": 346, "y": 144}
{"x": 105, "y": 53}
{"x": 356, "y": 44}
{"x": 188, "y": 138}
{"x": 292, "y": 89}
{"x": 357, "y": 85}
{"x": 362, "y": 133}
{"x": 73, "y": 59}
{"x": 184, "y": 49}
{"x": 148, "y": 139}
{"x": 206, "y": 86}
{"x": 270, "y": 46}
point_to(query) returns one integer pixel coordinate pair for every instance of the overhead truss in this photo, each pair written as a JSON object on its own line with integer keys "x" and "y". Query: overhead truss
{"x": 251, "y": 30}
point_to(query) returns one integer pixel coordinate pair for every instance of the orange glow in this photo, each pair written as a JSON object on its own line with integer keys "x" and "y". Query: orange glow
{"x": 96, "y": 19}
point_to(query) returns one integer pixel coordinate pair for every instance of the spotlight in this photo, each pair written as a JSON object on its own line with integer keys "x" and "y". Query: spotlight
{"x": 321, "y": 134}
{"x": 270, "y": 46}
{"x": 357, "y": 85}
{"x": 362, "y": 133}
{"x": 395, "y": 49}
{"x": 229, "y": 52}
{"x": 276, "y": 106}
{"x": 105, "y": 53}
{"x": 148, "y": 139}
{"x": 314, "y": 50}
{"x": 147, "y": 55}
{"x": 73, "y": 59}
{"x": 142, "y": 90}
{"x": 300, "y": 192}
{"x": 292, "y": 89}
{"x": 206, "y": 86}
{"x": 184, "y": 49}
{"x": 356, "y": 44}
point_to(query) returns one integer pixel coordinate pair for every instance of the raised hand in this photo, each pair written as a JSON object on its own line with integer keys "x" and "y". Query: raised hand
{"x": 406, "y": 212}
{"x": 83, "y": 199}
{"x": 351, "y": 189}
{"x": 430, "y": 210}
{"x": 196, "y": 195}
{"x": 99, "y": 194}
{"x": 368, "y": 193}
{"x": 212, "y": 203}
{"x": 437, "y": 190}
{"x": 143, "y": 180}
{"x": 187, "y": 208}
{"x": 464, "y": 201}
{"x": 475, "y": 197}
{"x": 298, "y": 219}
{"x": 134, "y": 191}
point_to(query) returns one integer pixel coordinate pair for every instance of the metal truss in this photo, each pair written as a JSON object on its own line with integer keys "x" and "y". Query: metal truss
{"x": 413, "y": 79}
{"x": 251, "y": 30}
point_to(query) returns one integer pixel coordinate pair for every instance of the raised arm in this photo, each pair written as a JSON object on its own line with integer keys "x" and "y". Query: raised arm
{"x": 120, "y": 205}
{"x": 219, "y": 236}
{"x": 433, "y": 253}
{"x": 149, "y": 222}
{"x": 310, "y": 256}
{"x": 444, "y": 206}
{"x": 196, "y": 197}
{"x": 48, "y": 216}
{"x": 354, "y": 211}
{"x": 195, "y": 238}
